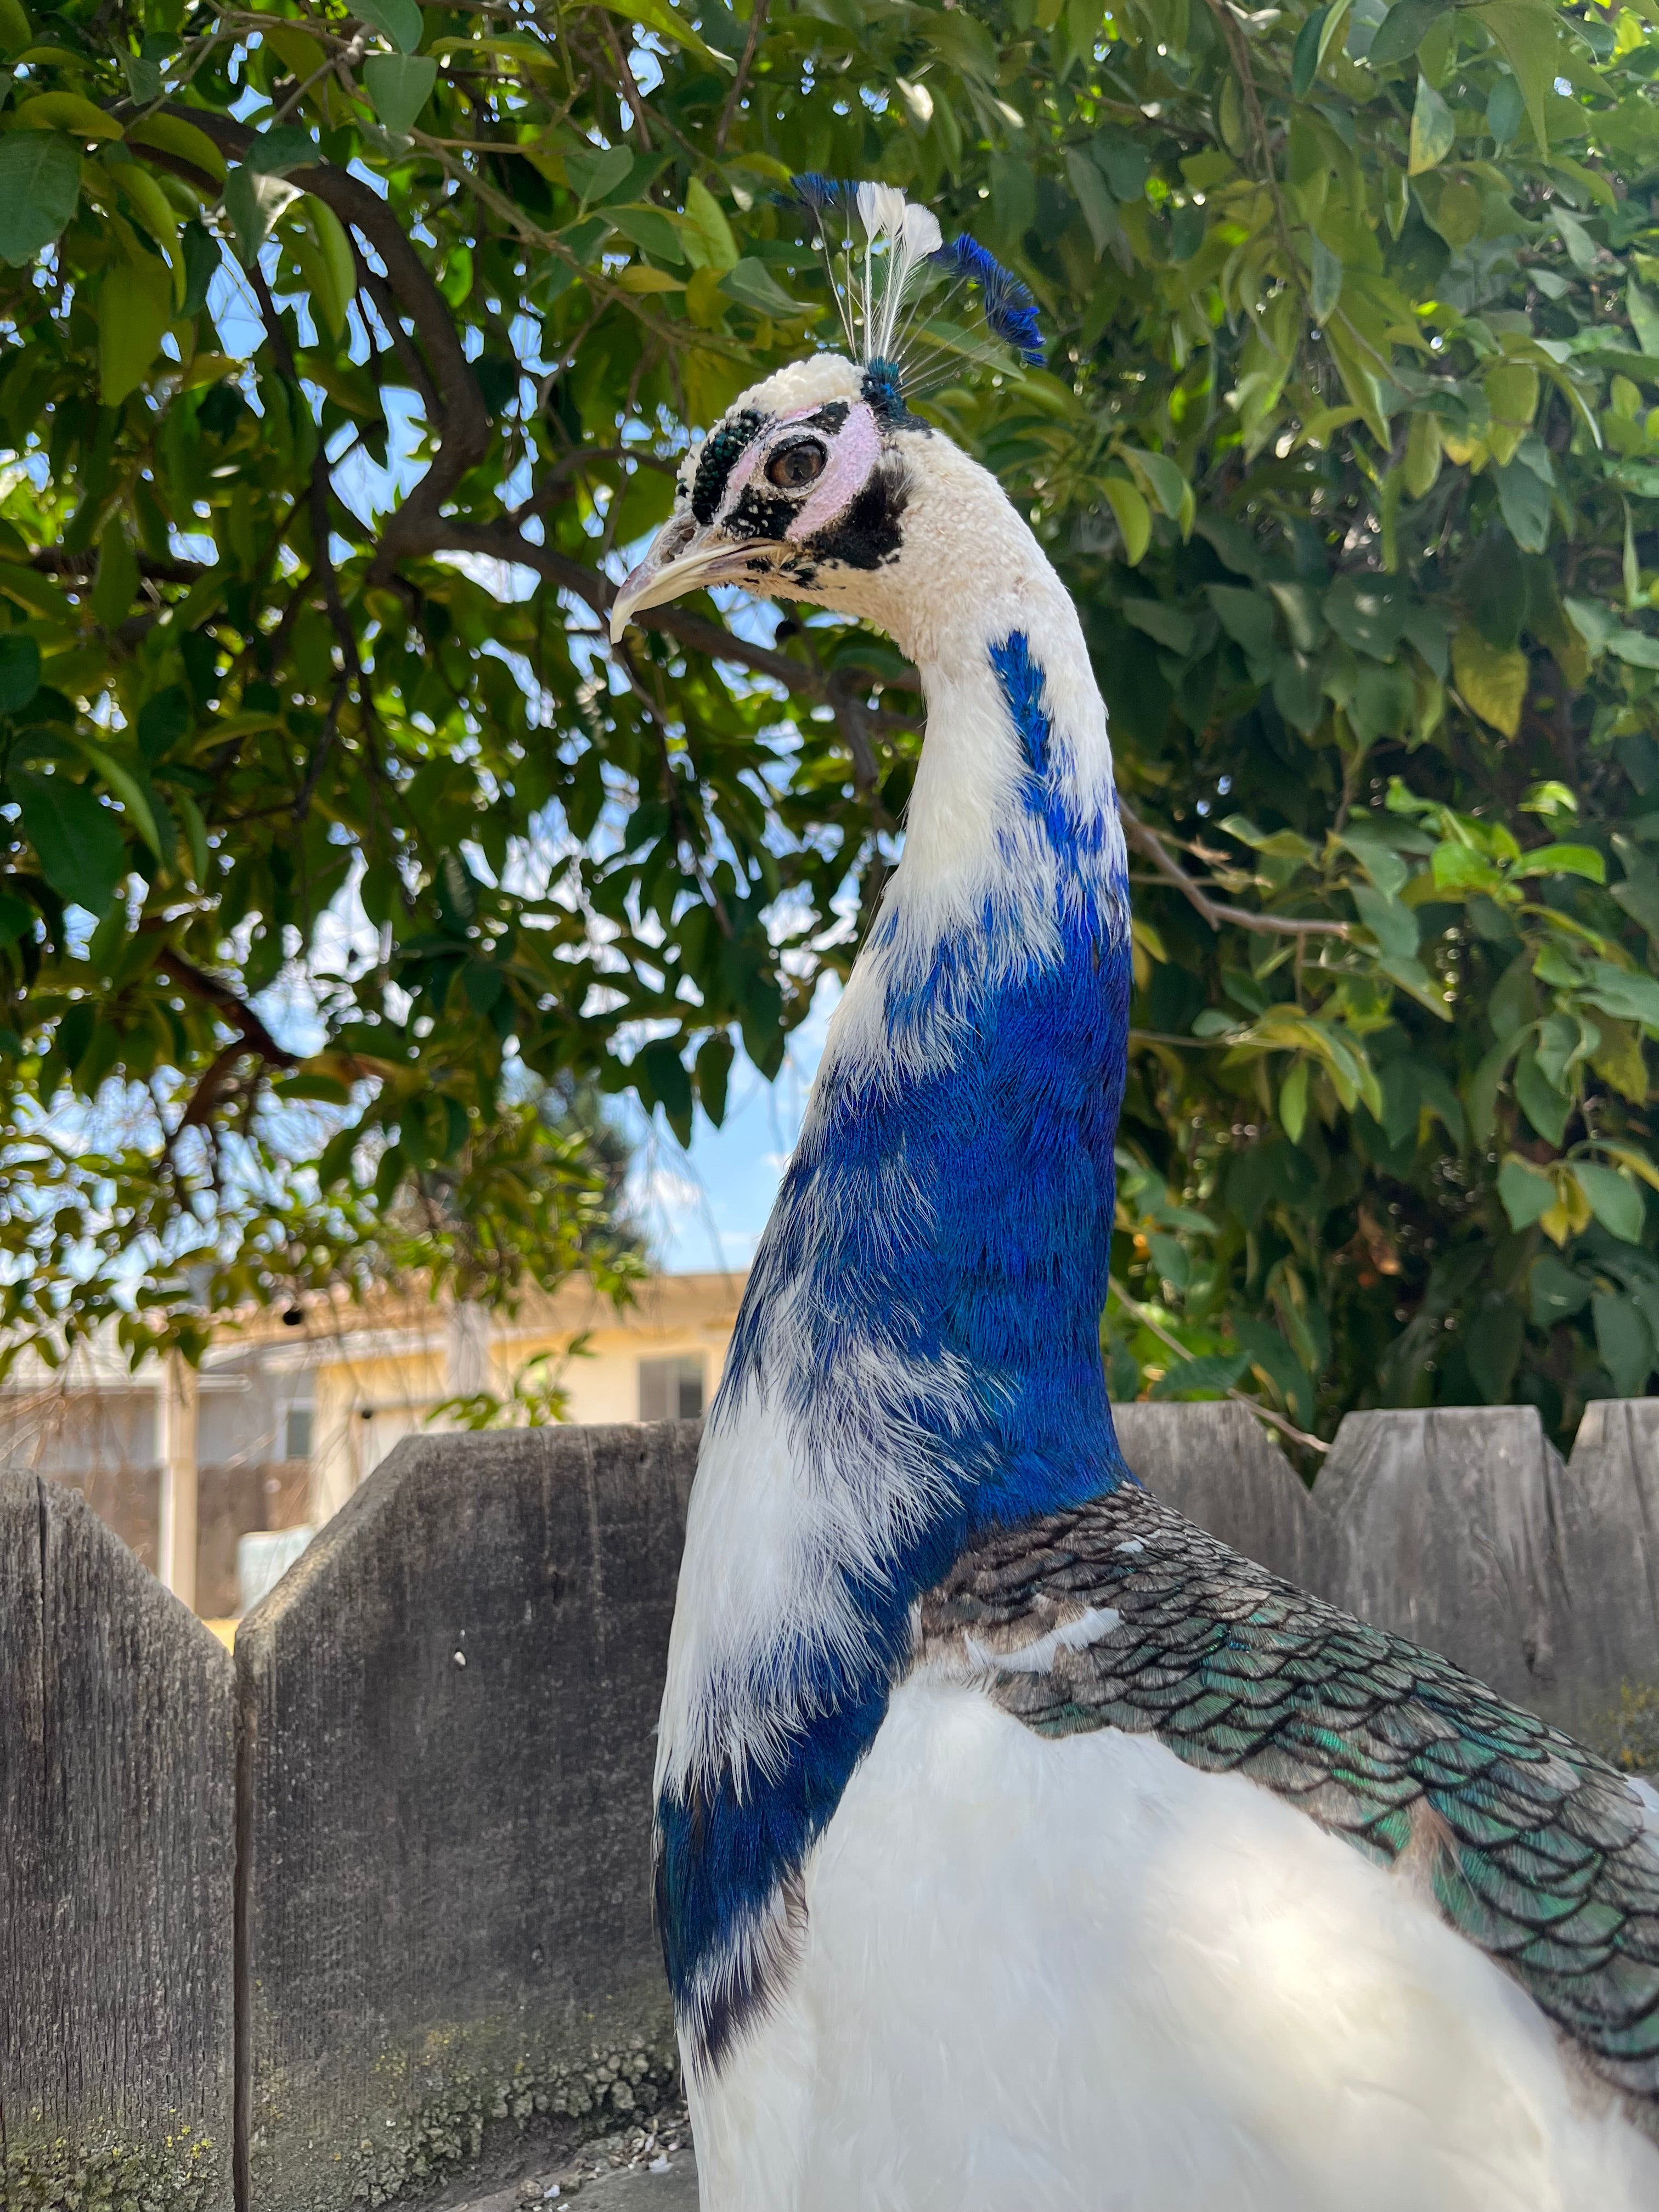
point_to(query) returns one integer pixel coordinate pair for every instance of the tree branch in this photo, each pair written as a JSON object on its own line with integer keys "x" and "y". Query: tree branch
{"x": 235, "y": 1013}
{"x": 53, "y": 560}
{"x": 464, "y": 420}
{"x": 1139, "y": 1312}
{"x": 1146, "y": 840}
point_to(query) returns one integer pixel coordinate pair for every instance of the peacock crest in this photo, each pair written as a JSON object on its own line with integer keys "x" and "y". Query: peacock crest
{"x": 893, "y": 279}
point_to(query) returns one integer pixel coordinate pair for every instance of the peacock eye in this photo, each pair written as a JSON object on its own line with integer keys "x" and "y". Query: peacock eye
{"x": 793, "y": 467}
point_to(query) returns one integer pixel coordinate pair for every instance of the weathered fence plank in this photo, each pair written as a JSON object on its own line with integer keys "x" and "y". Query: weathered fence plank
{"x": 1443, "y": 1525}
{"x": 117, "y": 1850}
{"x": 447, "y": 1711}
{"x": 1609, "y": 1546}
{"x": 1214, "y": 1463}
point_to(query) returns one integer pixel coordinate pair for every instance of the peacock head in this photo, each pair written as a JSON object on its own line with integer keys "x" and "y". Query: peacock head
{"x": 820, "y": 483}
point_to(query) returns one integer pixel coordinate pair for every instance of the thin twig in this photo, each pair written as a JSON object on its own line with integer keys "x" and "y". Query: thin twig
{"x": 1137, "y": 1312}
{"x": 1146, "y": 840}
{"x": 630, "y": 90}
{"x": 740, "y": 82}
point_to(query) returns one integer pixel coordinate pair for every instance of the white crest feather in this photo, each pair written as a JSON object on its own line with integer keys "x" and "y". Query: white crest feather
{"x": 882, "y": 274}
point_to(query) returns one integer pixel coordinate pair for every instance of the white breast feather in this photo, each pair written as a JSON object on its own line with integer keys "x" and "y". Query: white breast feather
{"x": 1080, "y": 1976}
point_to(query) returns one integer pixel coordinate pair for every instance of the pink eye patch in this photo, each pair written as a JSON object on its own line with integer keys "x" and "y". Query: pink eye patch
{"x": 854, "y": 451}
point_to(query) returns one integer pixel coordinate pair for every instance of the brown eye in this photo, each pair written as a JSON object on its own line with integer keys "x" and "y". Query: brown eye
{"x": 792, "y": 468}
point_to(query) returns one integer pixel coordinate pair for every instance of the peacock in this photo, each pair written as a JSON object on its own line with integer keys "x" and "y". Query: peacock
{"x": 1020, "y": 1847}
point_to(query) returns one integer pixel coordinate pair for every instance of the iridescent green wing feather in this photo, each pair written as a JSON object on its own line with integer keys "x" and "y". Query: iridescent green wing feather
{"x": 1537, "y": 1848}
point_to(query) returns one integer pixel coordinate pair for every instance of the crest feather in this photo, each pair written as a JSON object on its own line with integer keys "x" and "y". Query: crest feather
{"x": 890, "y": 252}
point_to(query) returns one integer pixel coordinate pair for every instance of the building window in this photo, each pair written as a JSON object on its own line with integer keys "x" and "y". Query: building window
{"x": 670, "y": 1389}
{"x": 296, "y": 1432}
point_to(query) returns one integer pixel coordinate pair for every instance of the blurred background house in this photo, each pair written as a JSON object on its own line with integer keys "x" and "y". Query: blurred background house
{"x": 217, "y": 1479}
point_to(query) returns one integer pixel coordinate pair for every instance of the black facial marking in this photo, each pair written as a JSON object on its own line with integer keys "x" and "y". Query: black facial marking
{"x": 831, "y": 416}
{"x": 762, "y": 512}
{"x": 715, "y": 463}
{"x": 869, "y": 532}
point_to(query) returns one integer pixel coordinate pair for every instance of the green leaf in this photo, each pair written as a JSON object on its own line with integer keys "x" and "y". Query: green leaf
{"x": 1557, "y": 1291}
{"x": 1564, "y": 860}
{"x": 1401, "y": 31}
{"x": 966, "y": 45}
{"x": 1327, "y": 289}
{"x": 1625, "y": 1342}
{"x": 274, "y": 152}
{"x": 399, "y": 86}
{"x": 1246, "y": 616}
{"x": 16, "y": 918}
{"x": 1099, "y": 207}
{"x": 1643, "y": 316}
{"x": 752, "y": 284}
{"x": 1631, "y": 997}
{"x": 1524, "y": 503}
{"x": 1506, "y": 109}
{"x": 662, "y": 1080}
{"x": 20, "y": 669}
{"x": 1267, "y": 1351}
{"x": 1635, "y": 648}
{"x": 1614, "y": 1200}
{"x": 130, "y": 785}
{"x": 83, "y": 853}
{"x": 1493, "y": 683}
{"x": 1304, "y": 59}
{"x": 1166, "y": 623}
{"x": 1528, "y": 1196}
{"x": 1544, "y": 1106}
{"x": 1207, "y": 1374}
{"x": 1525, "y": 31}
{"x": 1293, "y": 1101}
{"x": 1394, "y": 926}
{"x": 398, "y": 21}
{"x": 597, "y": 174}
{"x": 1133, "y": 516}
{"x": 1581, "y": 246}
{"x": 1433, "y": 130}
{"x": 40, "y": 184}
{"x": 710, "y": 242}
{"x": 1162, "y": 478}
{"x": 714, "y": 1059}
{"x": 135, "y": 305}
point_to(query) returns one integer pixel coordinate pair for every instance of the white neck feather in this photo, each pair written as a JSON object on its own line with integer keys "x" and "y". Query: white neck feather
{"x": 972, "y": 574}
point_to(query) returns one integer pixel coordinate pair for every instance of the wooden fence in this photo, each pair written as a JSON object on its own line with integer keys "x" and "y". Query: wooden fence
{"x": 365, "y": 1917}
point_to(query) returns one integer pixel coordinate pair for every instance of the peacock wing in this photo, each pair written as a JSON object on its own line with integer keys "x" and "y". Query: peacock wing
{"x": 1122, "y": 1614}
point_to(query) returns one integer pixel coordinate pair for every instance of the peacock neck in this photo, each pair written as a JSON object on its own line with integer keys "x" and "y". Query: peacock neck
{"x": 946, "y": 1221}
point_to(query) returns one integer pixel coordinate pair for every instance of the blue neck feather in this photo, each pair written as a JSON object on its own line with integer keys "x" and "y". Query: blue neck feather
{"x": 995, "y": 1268}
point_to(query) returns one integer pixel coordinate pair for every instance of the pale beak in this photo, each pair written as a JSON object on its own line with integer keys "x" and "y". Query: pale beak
{"x": 682, "y": 559}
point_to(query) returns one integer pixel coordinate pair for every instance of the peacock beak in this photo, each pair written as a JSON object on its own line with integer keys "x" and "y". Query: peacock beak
{"x": 682, "y": 558}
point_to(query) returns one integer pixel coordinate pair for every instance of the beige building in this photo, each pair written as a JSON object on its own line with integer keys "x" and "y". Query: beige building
{"x": 378, "y": 1374}
{"x": 217, "y": 1479}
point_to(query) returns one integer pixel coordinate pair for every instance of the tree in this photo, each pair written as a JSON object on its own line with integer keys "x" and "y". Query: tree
{"x": 1342, "y": 444}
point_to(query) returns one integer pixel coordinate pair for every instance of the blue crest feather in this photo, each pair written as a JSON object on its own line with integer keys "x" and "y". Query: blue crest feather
{"x": 1010, "y": 309}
